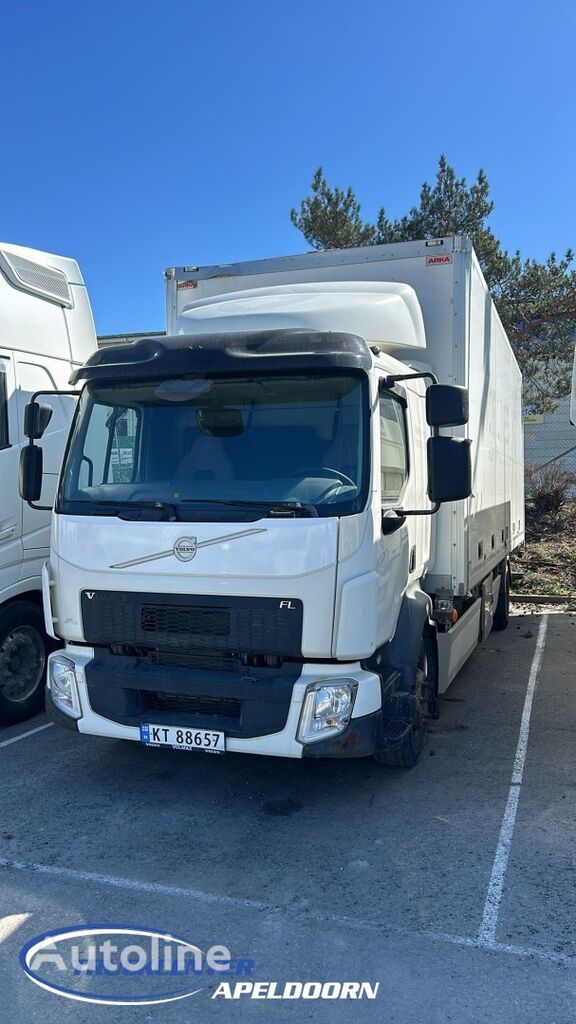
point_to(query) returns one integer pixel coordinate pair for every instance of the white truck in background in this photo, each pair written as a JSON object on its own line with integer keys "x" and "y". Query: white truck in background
{"x": 275, "y": 532}
{"x": 46, "y": 331}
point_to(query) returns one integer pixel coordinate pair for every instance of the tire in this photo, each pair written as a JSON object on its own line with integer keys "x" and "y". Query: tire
{"x": 24, "y": 650}
{"x": 501, "y": 616}
{"x": 408, "y": 752}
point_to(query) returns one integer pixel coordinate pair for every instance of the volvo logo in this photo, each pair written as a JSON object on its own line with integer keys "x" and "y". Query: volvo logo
{"x": 185, "y": 548}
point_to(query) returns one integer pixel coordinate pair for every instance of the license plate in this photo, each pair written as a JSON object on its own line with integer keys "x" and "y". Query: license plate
{"x": 179, "y": 738}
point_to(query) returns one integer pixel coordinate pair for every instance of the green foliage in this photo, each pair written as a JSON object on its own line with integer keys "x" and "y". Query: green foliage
{"x": 536, "y": 301}
{"x": 547, "y": 492}
{"x": 330, "y": 218}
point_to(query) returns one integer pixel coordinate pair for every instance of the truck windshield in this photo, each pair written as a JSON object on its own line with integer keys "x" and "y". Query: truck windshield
{"x": 198, "y": 449}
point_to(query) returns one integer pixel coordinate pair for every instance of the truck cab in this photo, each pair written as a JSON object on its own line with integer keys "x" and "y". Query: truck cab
{"x": 46, "y": 331}
{"x": 269, "y": 535}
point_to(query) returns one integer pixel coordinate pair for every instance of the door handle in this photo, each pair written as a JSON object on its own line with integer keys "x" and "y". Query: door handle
{"x": 6, "y": 534}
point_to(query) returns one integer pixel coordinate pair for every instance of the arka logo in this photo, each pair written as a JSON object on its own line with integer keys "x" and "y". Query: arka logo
{"x": 438, "y": 261}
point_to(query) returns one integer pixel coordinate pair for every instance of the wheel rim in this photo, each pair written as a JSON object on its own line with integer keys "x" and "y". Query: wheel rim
{"x": 22, "y": 662}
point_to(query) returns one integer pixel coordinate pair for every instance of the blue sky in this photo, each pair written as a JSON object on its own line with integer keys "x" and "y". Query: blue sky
{"x": 138, "y": 135}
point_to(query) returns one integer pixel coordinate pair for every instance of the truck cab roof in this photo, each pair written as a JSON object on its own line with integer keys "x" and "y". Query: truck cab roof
{"x": 231, "y": 354}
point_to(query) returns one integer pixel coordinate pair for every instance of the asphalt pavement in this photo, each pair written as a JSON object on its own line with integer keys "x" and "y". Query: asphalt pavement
{"x": 451, "y": 885}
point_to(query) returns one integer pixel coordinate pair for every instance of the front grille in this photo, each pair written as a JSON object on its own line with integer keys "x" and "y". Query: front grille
{"x": 233, "y": 625}
{"x": 216, "y": 661}
{"x": 220, "y": 661}
{"x": 185, "y": 621}
{"x": 221, "y": 707}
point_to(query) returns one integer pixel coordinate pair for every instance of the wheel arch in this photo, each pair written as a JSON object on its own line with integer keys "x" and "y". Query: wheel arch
{"x": 401, "y": 653}
{"x": 25, "y": 590}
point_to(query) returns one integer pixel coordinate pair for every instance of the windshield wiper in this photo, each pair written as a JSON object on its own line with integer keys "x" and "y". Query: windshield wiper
{"x": 273, "y": 508}
{"x": 161, "y": 506}
{"x": 122, "y": 509}
{"x": 130, "y": 510}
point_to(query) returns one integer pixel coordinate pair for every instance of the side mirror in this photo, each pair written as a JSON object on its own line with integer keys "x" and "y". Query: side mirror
{"x": 446, "y": 405}
{"x": 30, "y": 481}
{"x": 449, "y": 469}
{"x": 37, "y": 416}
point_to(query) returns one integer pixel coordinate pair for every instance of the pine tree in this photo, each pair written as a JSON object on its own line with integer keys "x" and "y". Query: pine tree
{"x": 330, "y": 218}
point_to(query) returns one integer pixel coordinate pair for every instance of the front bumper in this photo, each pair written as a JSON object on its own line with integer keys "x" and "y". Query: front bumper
{"x": 123, "y": 698}
{"x": 361, "y": 738}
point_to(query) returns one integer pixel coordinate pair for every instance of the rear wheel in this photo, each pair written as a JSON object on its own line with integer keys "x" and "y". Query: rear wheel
{"x": 502, "y": 613}
{"x": 408, "y": 751}
{"x": 23, "y": 656}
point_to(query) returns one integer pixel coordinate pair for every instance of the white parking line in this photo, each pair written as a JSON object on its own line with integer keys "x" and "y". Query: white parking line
{"x": 355, "y": 923}
{"x": 455, "y": 940}
{"x": 10, "y": 924}
{"x": 487, "y": 933}
{"x": 120, "y": 882}
{"x": 503, "y": 947}
{"x": 23, "y": 735}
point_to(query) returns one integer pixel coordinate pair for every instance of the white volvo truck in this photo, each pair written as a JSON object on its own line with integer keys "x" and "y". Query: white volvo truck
{"x": 284, "y": 527}
{"x": 46, "y": 331}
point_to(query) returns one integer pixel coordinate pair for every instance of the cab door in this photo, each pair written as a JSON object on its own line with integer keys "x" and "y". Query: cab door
{"x": 10, "y": 501}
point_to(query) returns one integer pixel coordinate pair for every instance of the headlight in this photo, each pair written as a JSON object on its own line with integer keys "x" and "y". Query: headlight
{"x": 63, "y": 686}
{"x": 327, "y": 709}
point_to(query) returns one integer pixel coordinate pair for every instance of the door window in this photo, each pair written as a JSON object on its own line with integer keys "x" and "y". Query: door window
{"x": 393, "y": 449}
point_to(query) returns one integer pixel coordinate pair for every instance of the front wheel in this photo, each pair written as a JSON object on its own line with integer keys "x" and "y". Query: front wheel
{"x": 23, "y": 656}
{"x": 408, "y": 751}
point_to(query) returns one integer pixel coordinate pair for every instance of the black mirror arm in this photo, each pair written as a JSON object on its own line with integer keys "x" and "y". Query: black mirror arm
{"x": 390, "y": 525}
{"x": 40, "y": 508}
{"x": 393, "y": 378}
{"x": 36, "y": 393}
{"x": 418, "y": 511}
